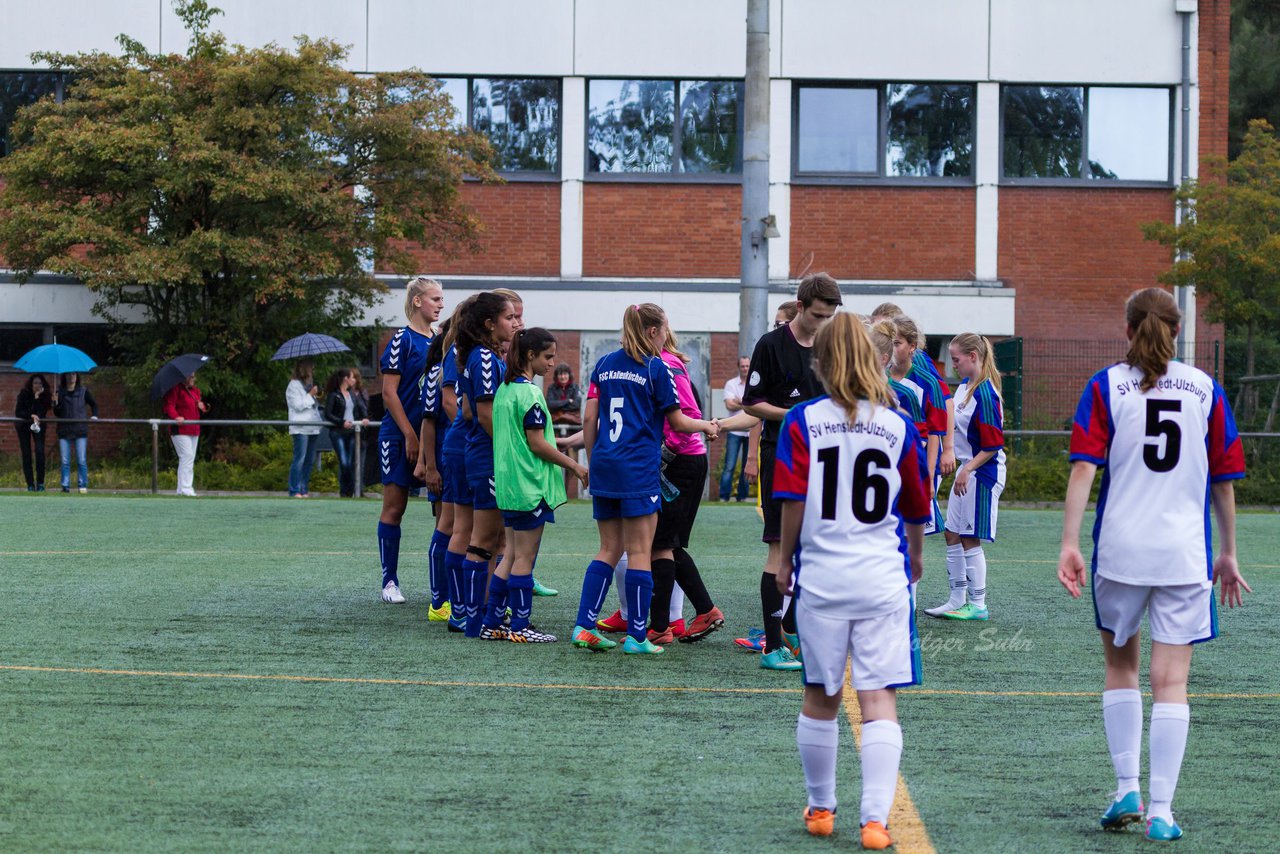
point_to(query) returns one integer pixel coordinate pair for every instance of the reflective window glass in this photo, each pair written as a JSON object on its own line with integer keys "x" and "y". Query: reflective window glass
{"x": 1129, "y": 133}
{"x": 455, "y": 89}
{"x": 1043, "y": 131}
{"x": 19, "y": 89}
{"x": 630, "y": 125}
{"x": 838, "y": 130}
{"x": 929, "y": 131}
{"x": 521, "y": 117}
{"x": 710, "y": 135}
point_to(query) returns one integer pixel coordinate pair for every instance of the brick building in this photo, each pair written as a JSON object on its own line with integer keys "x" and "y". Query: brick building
{"x": 986, "y": 164}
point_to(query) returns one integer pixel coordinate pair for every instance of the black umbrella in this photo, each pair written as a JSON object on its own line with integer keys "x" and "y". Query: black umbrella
{"x": 174, "y": 372}
{"x": 309, "y": 344}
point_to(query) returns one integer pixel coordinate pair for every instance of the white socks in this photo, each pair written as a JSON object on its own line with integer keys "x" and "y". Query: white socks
{"x": 881, "y": 751}
{"x": 957, "y": 575}
{"x": 1169, "y": 724}
{"x": 620, "y": 585}
{"x": 818, "y": 742}
{"x": 1122, "y": 719}
{"x": 975, "y": 567}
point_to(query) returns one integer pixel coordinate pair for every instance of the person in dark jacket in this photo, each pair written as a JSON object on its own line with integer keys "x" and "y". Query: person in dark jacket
{"x": 564, "y": 400}
{"x": 72, "y": 402}
{"x": 33, "y": 404}
{"x": 343, "y": 407}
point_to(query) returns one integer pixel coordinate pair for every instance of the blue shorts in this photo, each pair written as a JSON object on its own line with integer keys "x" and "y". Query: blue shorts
{"x": 483, "y": 494}
{"x": 456, "y": 490}
{"x": 603, "y": 509}
{"x": 396, "y": 468}
{"x": 528, "y": 520}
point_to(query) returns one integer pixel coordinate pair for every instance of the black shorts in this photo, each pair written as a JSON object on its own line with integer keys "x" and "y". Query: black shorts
{"x": 771, "y": 508}
{"x": 688, "y": 473}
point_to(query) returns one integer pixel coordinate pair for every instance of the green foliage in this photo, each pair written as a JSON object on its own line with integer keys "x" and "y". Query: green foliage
{"x": 1255, "y": 67}
{"x": 232, "y": 198}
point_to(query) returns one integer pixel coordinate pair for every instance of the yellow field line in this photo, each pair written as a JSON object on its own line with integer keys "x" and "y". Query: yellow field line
{"x": 905, "y": 825}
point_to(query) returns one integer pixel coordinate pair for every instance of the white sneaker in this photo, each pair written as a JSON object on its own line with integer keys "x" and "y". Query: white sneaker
{"x": 391, "y": 593}
{"x": 943, "y": 608}
{"x": 83, "y": 490}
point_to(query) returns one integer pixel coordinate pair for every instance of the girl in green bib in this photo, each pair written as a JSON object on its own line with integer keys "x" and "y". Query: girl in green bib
{"x": 528, "y": 484}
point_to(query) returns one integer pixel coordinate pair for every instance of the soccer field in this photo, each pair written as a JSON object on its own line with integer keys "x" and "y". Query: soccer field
{"x": 220, "y": 675}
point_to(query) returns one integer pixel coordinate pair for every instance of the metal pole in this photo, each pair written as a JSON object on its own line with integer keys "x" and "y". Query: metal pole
{"x": 359, "y": 462}
{"x": 754, "y": 292}
{"x": 1185, "y": 293}
{"x": 155, "y": 456}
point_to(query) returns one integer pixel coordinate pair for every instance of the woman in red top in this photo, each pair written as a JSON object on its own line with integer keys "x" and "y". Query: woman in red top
{"x": 182, "y": 403}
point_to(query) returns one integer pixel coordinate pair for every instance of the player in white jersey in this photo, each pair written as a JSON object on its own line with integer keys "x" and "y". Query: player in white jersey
{"x": 847, "y": 475}
{"x": 1167, "y": 441}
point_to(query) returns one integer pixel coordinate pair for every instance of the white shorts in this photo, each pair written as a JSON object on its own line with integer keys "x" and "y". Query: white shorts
{"x": 974, "y": 513}
{"x": 1177, "y": 614}
{"x": 883, "y": 651}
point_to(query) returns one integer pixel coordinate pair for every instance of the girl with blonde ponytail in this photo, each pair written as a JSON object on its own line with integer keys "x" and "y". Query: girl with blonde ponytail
{"x": 980, "y": 474}
{"x": 848, "y": 478}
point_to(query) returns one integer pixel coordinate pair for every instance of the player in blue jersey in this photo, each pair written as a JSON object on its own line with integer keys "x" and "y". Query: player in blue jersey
{"x": 622, "y": 429}
{"x": 403, "y": 366}
{"x": 438, "y": 408}
{"x": 1165, "y": 436}
{"x": 921, "y": 370}
{"x": 454, "y": 490}
{"x": 847, "y": 475}
{"x": 484, "y": 332}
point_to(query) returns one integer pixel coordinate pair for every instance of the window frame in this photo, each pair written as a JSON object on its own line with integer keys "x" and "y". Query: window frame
{"x": 677, "y": 175}
{"x": 515, "y": 176}
{"x": 880, "y": 177}
{"x": 59, "y": 90}
{"x": 1086, "y": 178}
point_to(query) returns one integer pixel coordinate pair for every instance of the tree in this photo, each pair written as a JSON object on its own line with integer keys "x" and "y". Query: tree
{"x": 231, "y": 198}
{"x": 1255, "y": 67}
{"x": 1229, "y": 246}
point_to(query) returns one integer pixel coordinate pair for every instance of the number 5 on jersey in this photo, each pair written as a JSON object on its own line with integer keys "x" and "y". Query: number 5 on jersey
{"x": 615, "y": 419}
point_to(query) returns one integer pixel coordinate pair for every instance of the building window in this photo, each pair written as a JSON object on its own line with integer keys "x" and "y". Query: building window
{"x": 1106, "y": 133}
{"x": 520, "y": 116}
{"x": 632, "y": 127}
{"x": 19, "y": 89}
{"x": 895, "y": 130}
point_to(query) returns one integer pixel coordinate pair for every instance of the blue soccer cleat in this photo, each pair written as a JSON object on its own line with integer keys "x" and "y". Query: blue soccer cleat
{"x": 1159, "y": 830}
{"x": 1123, "y": 812}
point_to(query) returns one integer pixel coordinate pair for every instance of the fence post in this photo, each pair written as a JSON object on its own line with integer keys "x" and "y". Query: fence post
{"x": 359, "y": 462}
{"x": 155, "y": 456}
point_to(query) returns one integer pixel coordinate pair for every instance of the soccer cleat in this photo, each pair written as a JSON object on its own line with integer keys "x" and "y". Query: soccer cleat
{"x": 529, "y": 635}
{"x": 540, "y": 589}
{"x": 819, "y": 821}
{"x": 943, "y": 608}
{"x": 631, "y": 646}
{"x": 678, "y": 627}
{"x": 753, "y": 642}
{"x": 780, "y": 659}
{"x": 1159, "y": 830}
{"x": 612, "y": 623}
{"x": 495, "y": 633}
{"x": 875, "y": 837}
{"x": 967, "y": 611}
{"x": 391, "y": 593}
{"x": 592, "y": 640}
{"x": 703, "y": 625}
{"x": 441, "y": 614}
{"x": 792, "y": 643}
{"x": 1122, "y": 812}
{"x": 458, "y": 626}
{"x": 661, "y": 637}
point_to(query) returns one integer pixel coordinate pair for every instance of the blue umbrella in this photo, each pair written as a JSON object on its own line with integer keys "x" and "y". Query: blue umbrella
{"x": 55, "y": 359}
{"x": 309, "y": 344}
{"x": 175, "y": 371}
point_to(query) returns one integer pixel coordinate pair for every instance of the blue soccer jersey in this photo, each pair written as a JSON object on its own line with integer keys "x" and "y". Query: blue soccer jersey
{"x": 432, "y": 408}
{"x": 455, "y": 439}
{"x": 634, "y": 399}
{"x": 406, "y": 355}
{"x": 483, "y": 373}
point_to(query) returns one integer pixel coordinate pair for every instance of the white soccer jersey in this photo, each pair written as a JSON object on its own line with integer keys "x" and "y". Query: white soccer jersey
{"x": 859, "y": 482}
{"x": 1161, "y": 449}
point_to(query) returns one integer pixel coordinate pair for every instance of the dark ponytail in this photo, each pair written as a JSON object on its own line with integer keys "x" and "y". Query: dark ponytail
{"x": 1153, "y": 318}
{"x": 528, "y": 342}
{"x": 471, "y": 329}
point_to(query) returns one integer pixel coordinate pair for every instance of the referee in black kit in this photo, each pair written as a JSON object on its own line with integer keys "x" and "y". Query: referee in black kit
{"x": 781, "y": 376}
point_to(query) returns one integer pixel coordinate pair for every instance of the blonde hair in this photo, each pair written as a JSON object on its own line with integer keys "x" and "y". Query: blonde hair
{"x": 1153, "y": 316}
{"x": 846, "y": 362}
{"x": 883, "y": 334}
{"x": 417, "y": 286}
{"x": 455, "y": 321}
{"x": 886, "y": 309}
{"x": 635, "y": 320}
{"x": 511, "y": 295}
{"x": 971, "y": 342}
{"x": 908, "y": 329}
{"x": 672, "y": 346}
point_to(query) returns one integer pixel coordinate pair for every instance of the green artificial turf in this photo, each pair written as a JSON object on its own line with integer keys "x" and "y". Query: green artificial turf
{"x": 516, "y": 757}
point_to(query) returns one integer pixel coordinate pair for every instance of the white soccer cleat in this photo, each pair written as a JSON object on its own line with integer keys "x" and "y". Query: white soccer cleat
{"x": 943, "y": 608}
{"x": 391, "y": 593}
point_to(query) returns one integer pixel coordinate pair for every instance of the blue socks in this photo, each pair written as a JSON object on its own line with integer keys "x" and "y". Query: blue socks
{"x": 439, "y": 583}
{"x": 474, "y": 575}
{"x": 520, "y": 595}
{"x": 639, "y": 595}
{"x": 496, "y": 608}
{"x": 595, "y": 586}
{"x": 453, "y": 569}
{"x": 389, "y": 551}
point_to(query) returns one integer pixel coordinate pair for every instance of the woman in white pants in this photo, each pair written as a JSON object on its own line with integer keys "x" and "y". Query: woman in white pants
{"x": 182, "y": 403}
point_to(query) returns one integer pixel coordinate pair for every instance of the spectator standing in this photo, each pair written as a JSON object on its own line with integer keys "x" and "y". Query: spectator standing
{"x": 564, "y": 398}
{"x": 301, "y": 396}
{"x": 735, "y": 446}
{"x": 343, "y": 408}
{"x": 33, "y": 404}
{"x": 182, "y": 403}
{"x": 71, "y": 403}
